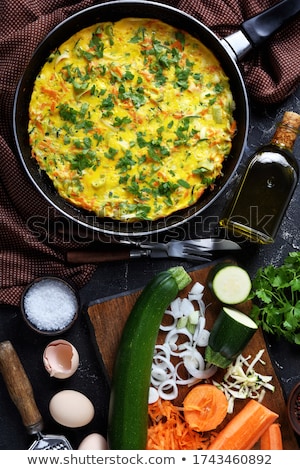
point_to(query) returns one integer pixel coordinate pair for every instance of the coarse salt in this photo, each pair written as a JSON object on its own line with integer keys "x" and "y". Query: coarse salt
{"x": 50, "y": 305}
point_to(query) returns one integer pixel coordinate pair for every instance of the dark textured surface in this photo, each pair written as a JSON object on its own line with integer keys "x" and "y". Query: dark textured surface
{"x": 113, "y": 278}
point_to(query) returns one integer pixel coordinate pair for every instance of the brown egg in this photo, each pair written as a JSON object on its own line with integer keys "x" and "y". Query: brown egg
{"x": 71, "y": 408}
{"x": 93, "y": 441}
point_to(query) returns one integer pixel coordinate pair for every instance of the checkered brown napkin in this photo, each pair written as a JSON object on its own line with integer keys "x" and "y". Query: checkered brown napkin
{"x": 27, "y": 252}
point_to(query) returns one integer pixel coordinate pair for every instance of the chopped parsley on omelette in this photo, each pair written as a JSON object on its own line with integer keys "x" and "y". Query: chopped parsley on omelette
{"x": 131, "y": 120}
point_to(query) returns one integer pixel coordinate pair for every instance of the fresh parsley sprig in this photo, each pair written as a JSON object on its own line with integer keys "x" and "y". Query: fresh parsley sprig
{"x": 276, "y": 298}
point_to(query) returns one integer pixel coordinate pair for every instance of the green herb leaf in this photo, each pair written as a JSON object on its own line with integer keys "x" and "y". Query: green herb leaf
{"x": 276, "y": 298}
{"x": 184, "y": 183}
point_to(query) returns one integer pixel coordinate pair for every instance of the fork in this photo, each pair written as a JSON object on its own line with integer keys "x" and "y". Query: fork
{"x": 199, "y": 250}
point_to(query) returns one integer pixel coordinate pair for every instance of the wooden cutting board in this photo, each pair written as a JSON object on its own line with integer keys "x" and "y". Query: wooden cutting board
{"x": 107, "y": 318}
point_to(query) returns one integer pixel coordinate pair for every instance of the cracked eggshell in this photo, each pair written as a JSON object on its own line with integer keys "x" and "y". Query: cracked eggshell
{"x": 60, "y": 359}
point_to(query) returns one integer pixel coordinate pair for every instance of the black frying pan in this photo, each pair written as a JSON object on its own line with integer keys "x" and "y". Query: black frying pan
{"x": 229, "y": 50}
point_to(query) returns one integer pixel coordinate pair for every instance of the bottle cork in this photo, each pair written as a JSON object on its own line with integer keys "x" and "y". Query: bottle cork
{"x": 287, "y": 130}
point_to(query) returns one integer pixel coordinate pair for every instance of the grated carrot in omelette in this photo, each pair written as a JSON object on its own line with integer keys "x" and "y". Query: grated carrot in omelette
{"x": 169, "y": 431}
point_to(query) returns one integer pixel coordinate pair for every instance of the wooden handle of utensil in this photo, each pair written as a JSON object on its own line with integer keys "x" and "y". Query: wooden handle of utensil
{"x": 19, "y": 387}
{"x": 97, "y": 256}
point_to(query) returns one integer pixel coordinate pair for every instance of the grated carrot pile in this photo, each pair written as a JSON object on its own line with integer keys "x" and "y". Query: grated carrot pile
{"x": 169, "y": 431}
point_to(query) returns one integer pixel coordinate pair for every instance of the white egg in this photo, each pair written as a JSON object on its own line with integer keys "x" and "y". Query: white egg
{"x": 93, "y": 441}
{"x": 72, "y": 409}
{"x": 60, "y": 359}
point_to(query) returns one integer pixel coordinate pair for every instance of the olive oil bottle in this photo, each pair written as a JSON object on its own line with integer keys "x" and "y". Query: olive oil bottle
{"x": 266, "y": 187}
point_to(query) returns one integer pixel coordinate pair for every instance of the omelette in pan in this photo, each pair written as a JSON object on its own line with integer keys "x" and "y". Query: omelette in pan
{"x": 131, "y": 120}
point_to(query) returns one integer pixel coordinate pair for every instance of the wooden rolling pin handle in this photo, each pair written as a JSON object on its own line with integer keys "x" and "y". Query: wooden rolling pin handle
{"x": 19, "y": 388}
{"x": 97, "y": 256}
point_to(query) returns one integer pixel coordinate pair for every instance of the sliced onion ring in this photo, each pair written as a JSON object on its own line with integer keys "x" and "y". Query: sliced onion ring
{"x": 168, "y": 385}
{"x": 181, "y": 343}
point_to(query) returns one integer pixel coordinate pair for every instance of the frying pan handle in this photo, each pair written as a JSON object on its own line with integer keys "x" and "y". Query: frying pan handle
{"x": 254, "y": 31}
{"x": 262, "y": 26}
{"x": 19, "y": 388}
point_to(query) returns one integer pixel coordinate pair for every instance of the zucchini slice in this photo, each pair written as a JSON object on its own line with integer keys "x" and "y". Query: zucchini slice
{"x": 230, "y": 283}
{"x": 229, "y": 335}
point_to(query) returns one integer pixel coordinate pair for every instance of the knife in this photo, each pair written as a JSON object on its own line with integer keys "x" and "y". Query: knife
{"x": 200, "y": 250}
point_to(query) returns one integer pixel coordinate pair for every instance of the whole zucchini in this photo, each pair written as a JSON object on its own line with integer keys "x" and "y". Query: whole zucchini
{"x": 128, "y": 408}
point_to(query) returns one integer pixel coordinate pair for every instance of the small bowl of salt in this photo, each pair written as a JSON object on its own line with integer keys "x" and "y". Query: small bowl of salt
{"x": 50, "y": 305}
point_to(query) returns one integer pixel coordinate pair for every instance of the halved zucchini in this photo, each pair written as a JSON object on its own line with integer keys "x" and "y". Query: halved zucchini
{"x": 230, "y": 283}
{"x": 229, "y": 335}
